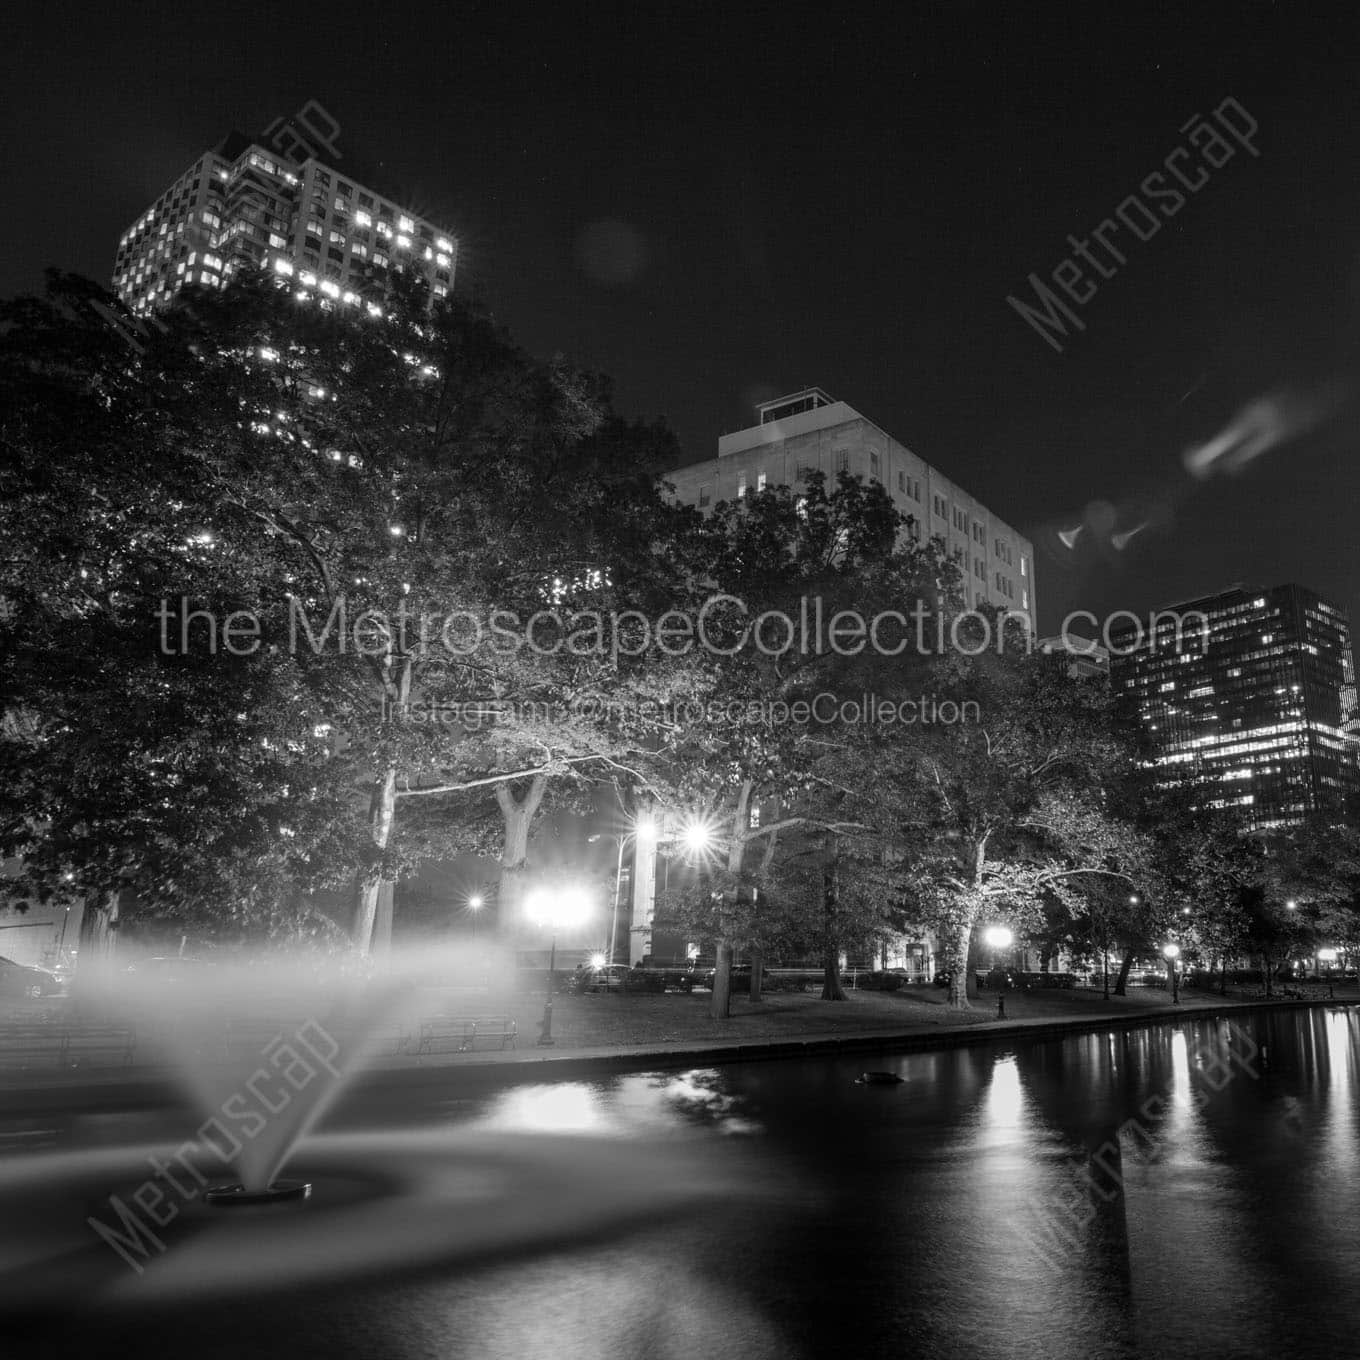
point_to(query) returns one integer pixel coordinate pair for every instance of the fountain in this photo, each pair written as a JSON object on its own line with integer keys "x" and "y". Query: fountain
{"x": 262, "y": 1057}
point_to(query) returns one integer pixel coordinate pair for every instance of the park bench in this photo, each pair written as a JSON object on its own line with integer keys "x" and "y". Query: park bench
{"x": 465, "y": 1031}
{"x": 65, "y": 1046}
{"x": 115, "y": 1042}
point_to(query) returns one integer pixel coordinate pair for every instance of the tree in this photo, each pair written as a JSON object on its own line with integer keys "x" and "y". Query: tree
{"x": 774, "y": 569}
{"x": 1000, "y": 811}
{"x": 366, "y": 495}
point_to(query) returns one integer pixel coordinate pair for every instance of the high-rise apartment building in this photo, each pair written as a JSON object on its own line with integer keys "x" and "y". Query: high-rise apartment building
{"x": 809, "y": 431}
{"x": 247, "y": 201}
{"x": 1248, "y": 697}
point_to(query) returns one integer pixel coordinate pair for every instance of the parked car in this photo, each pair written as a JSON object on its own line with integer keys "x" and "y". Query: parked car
{"x": 740, "y": 979}
{"x": 880, "y": 981}
{"x": 619, "y": 977}
{"x": 22, "y": 979}
{"x": 169, "y": 969}
{"x": 1048, "y": 980}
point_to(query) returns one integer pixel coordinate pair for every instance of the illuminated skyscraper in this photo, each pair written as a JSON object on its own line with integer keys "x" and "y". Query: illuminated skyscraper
{"x": 1248, "y": 697}
{"x": 274, "y": 201}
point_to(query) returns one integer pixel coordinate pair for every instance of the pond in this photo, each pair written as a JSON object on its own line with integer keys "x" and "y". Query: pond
{"x": 1171, "y": 1191}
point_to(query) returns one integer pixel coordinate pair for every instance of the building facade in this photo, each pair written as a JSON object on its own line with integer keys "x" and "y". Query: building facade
{"x": 1085, "y": 659}
{"x": 809, "y": 432}
{"x": 248, "y": 203}
{"x": 1248, "y": 697}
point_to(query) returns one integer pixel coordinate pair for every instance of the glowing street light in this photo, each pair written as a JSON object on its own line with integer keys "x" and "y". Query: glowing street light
{"x": 698, "y": 836}
{"x": 474, "y": 904}
{"x": 1292, "y": 905}
{"x": 1171, "y": 952}
{"x": 555, "y": 909}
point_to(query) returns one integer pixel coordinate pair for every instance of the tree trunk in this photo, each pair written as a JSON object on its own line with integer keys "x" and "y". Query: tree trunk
{"x": 97, "y": 934}
{"x": 720, "y": 1003}
{"x": 382, "y": 812}
{"x": 958, "y": 969}
{"x": 1265, "y": 975}
{"x": 757, "y": 974}
{"x": 831, "y": 954}
{"x": 1121, "y": 987}
{"x": 518, "y": 815}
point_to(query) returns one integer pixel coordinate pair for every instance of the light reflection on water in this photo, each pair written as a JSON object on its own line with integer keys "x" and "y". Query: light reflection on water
{"x": 969, "y": 1211}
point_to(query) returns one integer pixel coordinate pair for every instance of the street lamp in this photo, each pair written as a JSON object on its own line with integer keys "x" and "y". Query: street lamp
{"x": 1329, "y": 957}
{"x": 1291, "y": 905}
{"x": 555, "y": 909}
{"x": 998, "y": 937}
{"x": 1172, "y": 952}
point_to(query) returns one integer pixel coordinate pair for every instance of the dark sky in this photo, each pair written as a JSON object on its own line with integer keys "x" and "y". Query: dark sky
{"x": 719, "y": 204}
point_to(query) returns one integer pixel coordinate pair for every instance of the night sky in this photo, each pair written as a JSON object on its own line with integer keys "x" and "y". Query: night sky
{"x": 720, "y": 204}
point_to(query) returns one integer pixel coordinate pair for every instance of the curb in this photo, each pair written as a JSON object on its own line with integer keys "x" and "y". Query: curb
{"x": 145, "y": 1090}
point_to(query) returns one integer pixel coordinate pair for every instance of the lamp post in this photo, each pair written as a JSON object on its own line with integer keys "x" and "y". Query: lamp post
{"x": 1172, "y": 952}
{"x": 475, "y": 903}
{"x": 998, "y": 937}
{"x": 556, "y": 909}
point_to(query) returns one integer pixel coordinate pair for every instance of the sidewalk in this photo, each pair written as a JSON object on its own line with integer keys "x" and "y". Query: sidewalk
{"x": 613, "y": 1031}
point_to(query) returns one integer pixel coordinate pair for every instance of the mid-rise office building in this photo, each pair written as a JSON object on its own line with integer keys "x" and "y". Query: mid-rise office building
{"x": 809, "y": 432}
{"x": 248, "y": 202}
{"x": 1248, "y": 697}
{"x": 1084, "y": 658}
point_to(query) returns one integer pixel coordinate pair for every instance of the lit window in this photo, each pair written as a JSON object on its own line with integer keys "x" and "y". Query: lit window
{"x": 760, "y": 482}
{"x": 282, "y": 267}
{"x": 308, "y": 279}
{"x": 350, "y": 298}
{"x": 405, "y": 224}
{"x": 362, "y": 219}
{"x": 276, "y": 241}
{"x": 330, "y": 289}
{"x": 442, "y": 261}
{"x": 440, "y": 290}
{"x": 374, "y": 309}
{"x": 383, "y": 229}
{"x": 444, "y": 244}
{"x": 404, "y": 242}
